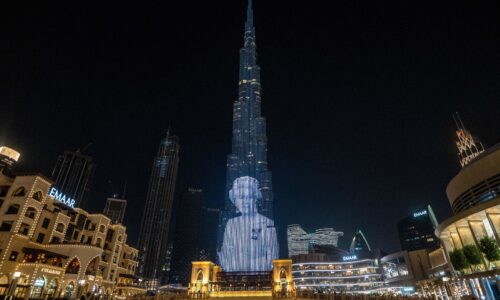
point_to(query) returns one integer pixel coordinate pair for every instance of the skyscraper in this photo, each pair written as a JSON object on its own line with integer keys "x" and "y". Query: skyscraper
{"x": 155, "y": 224}
{"x": 416, "y": 231}
{"x": 359, "y": 243}
{"x": 115, "y": 209}
{"x": 248, "y": 210}
{"x": 72, "y": 175}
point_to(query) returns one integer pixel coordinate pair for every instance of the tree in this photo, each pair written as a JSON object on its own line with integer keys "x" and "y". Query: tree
{"x": 489, "y": 247}
{"x": 458, "y": 260}
{"x": 472, "y": 254}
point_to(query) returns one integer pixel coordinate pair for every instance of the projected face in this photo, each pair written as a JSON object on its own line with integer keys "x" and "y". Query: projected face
{"x": 250, "y": 242}
{"x": 244, "y": 195}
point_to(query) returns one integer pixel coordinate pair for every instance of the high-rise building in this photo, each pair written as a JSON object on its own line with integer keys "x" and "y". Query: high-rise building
{"x": 115, "y": 209}
{"x": 155, "y": 224}
{"x": 8, "y": 158}
{"x": 416, "y": 232}
{"x": 359, "y": 243}
{"x": 248, "y": 210}
{"x": 187, "y": 238}
{"x": 300, "y": 242}
{"x": 210, "y": 220}
{"x": 72, "y": 175}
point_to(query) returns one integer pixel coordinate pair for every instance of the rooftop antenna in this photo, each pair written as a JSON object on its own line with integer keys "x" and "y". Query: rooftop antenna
{"x": 112, "y": 189}
{"x": 124, "y": 189}
{"x": 85, "y": 148}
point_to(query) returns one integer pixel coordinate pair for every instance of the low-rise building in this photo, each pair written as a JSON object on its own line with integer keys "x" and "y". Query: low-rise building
{"x": 50, "y": 249}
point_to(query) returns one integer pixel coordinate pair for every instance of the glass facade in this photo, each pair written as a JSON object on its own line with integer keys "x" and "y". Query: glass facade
{"x": 155, "y": 224}
{"x": 357, "y": 276}
{"x": 417, "y": 230}
{"x": 247, "y": 239}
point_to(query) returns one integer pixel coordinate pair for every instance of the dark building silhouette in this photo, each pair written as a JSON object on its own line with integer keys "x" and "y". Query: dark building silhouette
{"x": 72, "y": 175}
{"x": 188, "y": 236}
{"x": 115, "y": 209}
{"x": 210, "y": 221}
{"x": 416, "y": 231}
{"x": 155, "y": 224}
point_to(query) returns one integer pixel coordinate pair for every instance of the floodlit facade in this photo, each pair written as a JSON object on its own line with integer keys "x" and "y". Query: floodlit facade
{"x": 50, "y": 250}
{"x": 156, "y": 219}
{"x": 474, "y": 195}
{"x": 300, "y": 242}
{"x": 8, "y": 158}
{"x": 247, "y": 240}
{"x": 349, "y": 273}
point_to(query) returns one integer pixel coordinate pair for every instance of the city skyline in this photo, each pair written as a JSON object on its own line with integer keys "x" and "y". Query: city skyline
{"x": 345, "y": 131}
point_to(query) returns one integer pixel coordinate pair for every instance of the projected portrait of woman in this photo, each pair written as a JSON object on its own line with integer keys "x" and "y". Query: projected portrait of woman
{"x": 249, "y": 242}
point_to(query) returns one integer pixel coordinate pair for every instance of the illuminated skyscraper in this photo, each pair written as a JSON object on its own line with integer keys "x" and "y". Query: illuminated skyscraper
{"x": 155, "y": 224}
{"x": 72, "y": 175}
{"x": 359, "y": 243}
{"x": 416, "y": 231}
{"x": 248, "y": 176}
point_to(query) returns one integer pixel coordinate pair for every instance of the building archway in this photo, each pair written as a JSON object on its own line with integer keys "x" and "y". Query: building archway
{"x": 73, "y": 267}
{"x": 199, "y": 281}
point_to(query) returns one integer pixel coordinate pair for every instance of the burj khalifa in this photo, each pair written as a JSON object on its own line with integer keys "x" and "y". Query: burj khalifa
{"x": 247, "y": 236}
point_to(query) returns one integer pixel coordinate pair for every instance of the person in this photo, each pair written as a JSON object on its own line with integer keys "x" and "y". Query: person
{"x": 249, "y": 242}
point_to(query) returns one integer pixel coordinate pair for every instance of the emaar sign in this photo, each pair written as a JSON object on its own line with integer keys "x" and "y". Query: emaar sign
{"x": 420, "y": 213}
{"x": 54, "y": 193}
{"x": 350, "y": 257}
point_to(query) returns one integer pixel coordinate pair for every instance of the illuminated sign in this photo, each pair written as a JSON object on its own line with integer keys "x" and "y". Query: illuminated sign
{"x": 39, "y": 282}
{"x": 420, "y": 213}
{"x": 350, "y": 257}
{"x": 50, "y": 271}
{"x": 54, "y": 193}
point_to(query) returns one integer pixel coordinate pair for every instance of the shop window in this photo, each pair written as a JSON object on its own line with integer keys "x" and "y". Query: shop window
{"x": 24, "y": 229}
{"x": 6, "y": 226}
{"x": 45, "y": 223}
{"x": 55, "y": 240}
{"x": 30, "y": 213}
{"x": 13, "y": 255}
{"x": 37, "y": 196}
{"x": 19, "y": 192}
{"x": 60, "y": 227}
{"x": 40, "y": 237}
{"x": 12, "y": 210}
{"x": 69, "y": 290}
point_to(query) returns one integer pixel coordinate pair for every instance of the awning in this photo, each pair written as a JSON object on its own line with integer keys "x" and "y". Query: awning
{"x": 38, "y": 251}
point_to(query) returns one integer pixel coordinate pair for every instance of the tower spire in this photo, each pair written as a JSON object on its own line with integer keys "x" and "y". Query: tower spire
{"x": 249, "y": 23}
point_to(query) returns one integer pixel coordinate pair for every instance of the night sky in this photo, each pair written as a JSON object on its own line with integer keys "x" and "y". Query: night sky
{"x": 358, "y": 97}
